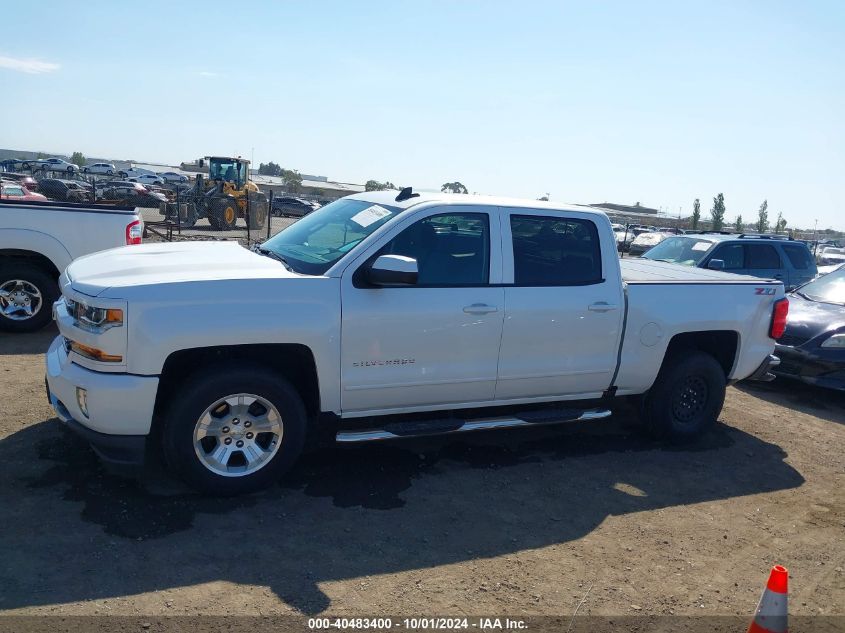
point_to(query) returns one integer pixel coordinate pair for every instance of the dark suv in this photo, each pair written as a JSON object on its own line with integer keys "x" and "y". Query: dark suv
{"x": 766, "y": 256}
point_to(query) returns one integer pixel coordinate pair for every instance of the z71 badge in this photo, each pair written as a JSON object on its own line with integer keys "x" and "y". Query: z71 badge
{"x": 764, "y": 291}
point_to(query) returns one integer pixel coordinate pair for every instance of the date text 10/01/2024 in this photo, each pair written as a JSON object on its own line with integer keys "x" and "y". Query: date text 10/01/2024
{"x": 418, "y": 623}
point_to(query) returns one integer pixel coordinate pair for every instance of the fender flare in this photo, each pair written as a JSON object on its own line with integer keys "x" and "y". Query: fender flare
{"x": 37, "y": 243}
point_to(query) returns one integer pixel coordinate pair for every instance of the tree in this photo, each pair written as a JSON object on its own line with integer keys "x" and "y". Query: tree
{"x": 78, "y": 159}
{"x": 738, "y": 223}
{"x": 375, "y": 185}
{"x": 763, "y": 217}
{"x": 270, "y": 169}
{"x": 293, "y": 180}
{"x": 544, "y": 198}
{"x": 453, "y": 187}
{"x": 696, "y": 213}
{"x": 780, "y": 225}
{"x": 717, "y": 213}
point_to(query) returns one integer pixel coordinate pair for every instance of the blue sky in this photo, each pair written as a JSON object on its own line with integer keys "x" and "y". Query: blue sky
{"x": 656, "y": 102}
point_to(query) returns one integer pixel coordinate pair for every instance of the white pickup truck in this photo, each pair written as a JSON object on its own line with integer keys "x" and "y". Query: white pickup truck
{"x": 382, "y": 316}
{"x": 38, "y": 240}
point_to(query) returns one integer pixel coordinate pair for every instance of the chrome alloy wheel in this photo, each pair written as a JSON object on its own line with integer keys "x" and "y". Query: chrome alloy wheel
{"x": 19, "y": 300}
{"x": 238, "y": 435}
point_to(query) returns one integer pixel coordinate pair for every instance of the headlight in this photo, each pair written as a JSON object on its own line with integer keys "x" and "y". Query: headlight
{"x": 94, "y": 319}
{"x": 837, "y": 341}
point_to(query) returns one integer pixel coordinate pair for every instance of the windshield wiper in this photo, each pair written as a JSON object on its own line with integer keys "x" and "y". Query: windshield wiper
{"x": 802, "y": 295}
{"x": 274, "y": 255}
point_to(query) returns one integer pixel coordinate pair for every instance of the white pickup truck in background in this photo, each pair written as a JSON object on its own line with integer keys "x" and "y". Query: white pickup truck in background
{"x": 37, "y": 242}
{"x": 382, "y": 316}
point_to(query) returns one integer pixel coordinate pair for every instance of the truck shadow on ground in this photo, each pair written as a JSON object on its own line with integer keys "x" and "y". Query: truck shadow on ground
{"x": 826, "y": 404}
{"x": 73, "y": 532}
{"x": 35, "y": 343}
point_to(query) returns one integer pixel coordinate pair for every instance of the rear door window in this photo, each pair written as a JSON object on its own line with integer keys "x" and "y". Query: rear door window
{"x": 551, "y": 251}
{"x": 761, "y": 257}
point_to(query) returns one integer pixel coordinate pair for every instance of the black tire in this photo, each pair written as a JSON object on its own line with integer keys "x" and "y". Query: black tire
{"x": 109, "y": 173}
{"x": 686, "y": 398}
{"x": 223, "y": 214}
{"x": 257, "y": 211}
{"x": 46, "y": 285}
{"x": 204, "y": 389}
{"x": 191, "y": 217}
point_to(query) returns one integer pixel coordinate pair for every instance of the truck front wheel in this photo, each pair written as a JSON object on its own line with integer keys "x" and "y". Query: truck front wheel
{"x": 686, "y": 398}
{"x": 234, "y": 429}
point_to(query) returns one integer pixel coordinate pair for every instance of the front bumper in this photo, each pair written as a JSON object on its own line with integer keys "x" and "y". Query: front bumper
{"x": 120, "y": 406}
{"x": 814, "y": 366}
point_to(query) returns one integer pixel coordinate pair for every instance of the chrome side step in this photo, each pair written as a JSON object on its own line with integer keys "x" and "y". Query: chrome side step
{"x": 399, "y": 430}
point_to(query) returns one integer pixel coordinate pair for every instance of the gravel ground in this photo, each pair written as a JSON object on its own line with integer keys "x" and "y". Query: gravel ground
{"x": 512, "y": 522}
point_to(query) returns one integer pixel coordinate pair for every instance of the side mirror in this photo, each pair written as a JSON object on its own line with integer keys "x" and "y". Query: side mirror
{"x": 716, "y": 264}
{"x": 393, "y": 270}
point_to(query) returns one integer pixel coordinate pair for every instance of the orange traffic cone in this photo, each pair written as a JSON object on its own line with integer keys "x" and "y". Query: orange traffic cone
{"x": 771, "y": 612}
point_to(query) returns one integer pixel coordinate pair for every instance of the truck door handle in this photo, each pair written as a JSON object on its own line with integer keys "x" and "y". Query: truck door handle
{"x": 480, "y": 308}
{"x": 601, "y": 306}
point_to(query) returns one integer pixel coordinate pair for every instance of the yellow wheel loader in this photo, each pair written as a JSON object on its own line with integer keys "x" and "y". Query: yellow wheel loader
{"x": 224, "y": 196}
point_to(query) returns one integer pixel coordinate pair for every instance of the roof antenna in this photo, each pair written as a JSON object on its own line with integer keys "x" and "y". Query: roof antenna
{"x": 406, "y": 194}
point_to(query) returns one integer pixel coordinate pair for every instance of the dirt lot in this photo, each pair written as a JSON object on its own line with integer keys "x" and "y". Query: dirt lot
{"x": 517, "y": 522}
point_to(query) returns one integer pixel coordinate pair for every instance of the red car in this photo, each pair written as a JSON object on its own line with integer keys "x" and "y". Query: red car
{"x": 22, "y": 179}
{"x": 14, "y": 191}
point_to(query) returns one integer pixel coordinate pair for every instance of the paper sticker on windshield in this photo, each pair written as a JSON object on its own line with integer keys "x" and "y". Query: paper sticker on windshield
{"x": 370, "y": 215}
{"x": 701, "y": 246}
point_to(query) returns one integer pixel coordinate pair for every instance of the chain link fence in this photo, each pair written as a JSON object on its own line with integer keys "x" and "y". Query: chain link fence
{"x": 224, "y": 205}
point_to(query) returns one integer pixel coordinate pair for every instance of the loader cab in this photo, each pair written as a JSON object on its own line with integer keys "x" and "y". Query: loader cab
{"x": 231, "y": 170}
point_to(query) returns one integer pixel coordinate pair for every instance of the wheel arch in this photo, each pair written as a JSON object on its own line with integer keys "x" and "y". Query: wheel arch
{"x": 293, "y": 361}
{"x": 722, "y": 345}
{"x": 31, "y": 257}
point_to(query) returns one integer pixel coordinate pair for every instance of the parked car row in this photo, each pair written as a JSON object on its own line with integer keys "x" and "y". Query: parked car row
{"x": 105, "y": 169}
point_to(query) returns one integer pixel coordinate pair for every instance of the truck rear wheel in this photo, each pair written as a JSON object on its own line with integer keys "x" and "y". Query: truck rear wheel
{"x": 27, "y": 294}
{"x": 234, "y": 429}
{"x": 686, "y": 398}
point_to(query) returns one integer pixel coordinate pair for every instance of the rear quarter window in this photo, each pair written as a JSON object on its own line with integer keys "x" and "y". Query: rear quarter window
{"x": 551, "y": 251}
{"x": 799, "y": 256}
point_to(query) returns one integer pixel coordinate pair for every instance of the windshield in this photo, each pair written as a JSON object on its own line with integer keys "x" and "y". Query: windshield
{"x": 229, "y": 170}
{"x": 828, "y": 288}
{"x": 314, "y": 243}
{"x": 688, "y": 251}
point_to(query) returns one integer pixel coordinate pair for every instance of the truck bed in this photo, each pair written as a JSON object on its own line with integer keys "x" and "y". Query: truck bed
{"x": 646, "y": 271}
